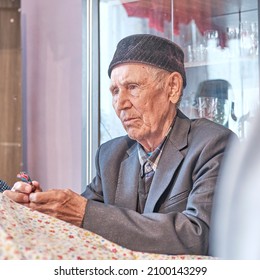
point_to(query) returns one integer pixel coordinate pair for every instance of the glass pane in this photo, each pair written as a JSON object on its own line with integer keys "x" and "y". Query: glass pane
{"x": 220, "y": 42}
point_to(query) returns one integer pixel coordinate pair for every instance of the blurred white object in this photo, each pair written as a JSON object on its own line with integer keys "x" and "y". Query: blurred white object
{"x": 236, "y": 214}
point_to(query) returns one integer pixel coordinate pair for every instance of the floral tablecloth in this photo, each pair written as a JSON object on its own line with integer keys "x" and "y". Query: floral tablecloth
{"x": 31, "y": 235}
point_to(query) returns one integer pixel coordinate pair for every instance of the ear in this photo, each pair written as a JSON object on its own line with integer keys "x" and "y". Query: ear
{"x": 175, "y": 84}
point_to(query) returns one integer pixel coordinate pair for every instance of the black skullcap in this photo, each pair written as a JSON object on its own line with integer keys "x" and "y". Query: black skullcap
{"x": 151, "y": 50}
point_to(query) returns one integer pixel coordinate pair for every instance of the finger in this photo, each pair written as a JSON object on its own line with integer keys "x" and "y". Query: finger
{"x": 17, "y": 196}
{"x": 22, "y": 187}
{"x": 44, "y": 197}
{"x": 37, "y": 187}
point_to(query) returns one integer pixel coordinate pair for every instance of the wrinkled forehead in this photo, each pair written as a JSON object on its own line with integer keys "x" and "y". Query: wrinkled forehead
{"x": 130, "y": 71}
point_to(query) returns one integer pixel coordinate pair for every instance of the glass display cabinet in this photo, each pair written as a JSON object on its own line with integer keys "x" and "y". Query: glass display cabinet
{"x": 220, "y": 42}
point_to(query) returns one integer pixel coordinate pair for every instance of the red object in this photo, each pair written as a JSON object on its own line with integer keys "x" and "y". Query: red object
{"x": 182, "y": 12}
{"x": 24, "y": 177}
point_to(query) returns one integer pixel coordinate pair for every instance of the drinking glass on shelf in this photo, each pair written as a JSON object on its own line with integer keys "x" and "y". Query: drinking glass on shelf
{"x": 213, "y": 51}
{"x": 211, "y": 38}
{"x": 214, "y": 101}
{"x": 196, "y": 53}
{"x": 213, "y": 108}
{"x": 249, "y": 38}
{"x": 233, "y": 41}
{"x": 254, "y": 38}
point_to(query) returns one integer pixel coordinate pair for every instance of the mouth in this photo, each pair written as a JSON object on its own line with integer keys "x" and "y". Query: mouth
{"x": 128, "y": 121}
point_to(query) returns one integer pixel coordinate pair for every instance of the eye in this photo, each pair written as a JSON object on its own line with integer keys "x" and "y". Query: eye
{"x": 132, "y": 86}
{"x": 114, "y": 91}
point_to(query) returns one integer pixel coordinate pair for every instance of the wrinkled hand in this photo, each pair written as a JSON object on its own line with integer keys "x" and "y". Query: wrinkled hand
{"x": 62, "y": 204}
{"x": 20, "y": 192}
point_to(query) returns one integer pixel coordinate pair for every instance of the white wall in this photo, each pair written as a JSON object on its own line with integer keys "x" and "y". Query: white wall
{"x": 52, "y": 91}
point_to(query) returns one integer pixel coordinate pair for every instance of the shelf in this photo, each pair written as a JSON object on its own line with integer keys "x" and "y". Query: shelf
{"x": 222, "y": 61}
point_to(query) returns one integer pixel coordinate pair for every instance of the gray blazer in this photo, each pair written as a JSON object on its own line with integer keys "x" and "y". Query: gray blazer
{"x": 176, "y": 217}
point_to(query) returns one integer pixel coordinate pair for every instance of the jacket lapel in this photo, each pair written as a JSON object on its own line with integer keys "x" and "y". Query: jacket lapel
{"x": 169, "y": 161}
{"x": 127, "y": 187}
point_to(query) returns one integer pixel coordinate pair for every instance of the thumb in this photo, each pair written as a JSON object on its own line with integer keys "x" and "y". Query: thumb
{"x": 37, "y": 187}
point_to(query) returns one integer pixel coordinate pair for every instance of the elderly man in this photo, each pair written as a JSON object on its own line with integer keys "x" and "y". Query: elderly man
{"x": 153, "y": 188}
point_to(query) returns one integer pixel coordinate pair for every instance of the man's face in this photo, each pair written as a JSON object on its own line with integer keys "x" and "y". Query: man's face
{"x": 143, "y": 107}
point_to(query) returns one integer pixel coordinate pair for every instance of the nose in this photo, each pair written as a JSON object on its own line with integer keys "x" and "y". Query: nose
{"x": 121, "y": 101}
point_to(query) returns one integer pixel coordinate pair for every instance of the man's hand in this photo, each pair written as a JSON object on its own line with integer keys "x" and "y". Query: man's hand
{"x": 62, "y": 204}
{"x": 20, "y": 192}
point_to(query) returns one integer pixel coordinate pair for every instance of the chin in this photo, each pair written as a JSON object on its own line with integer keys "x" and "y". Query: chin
{"x": 134, "y": 135}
